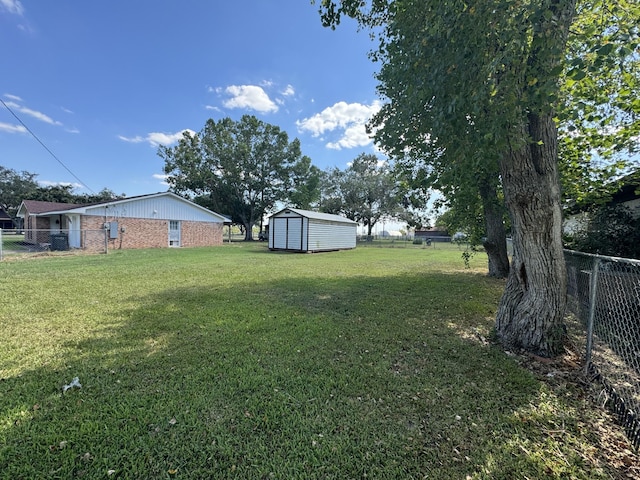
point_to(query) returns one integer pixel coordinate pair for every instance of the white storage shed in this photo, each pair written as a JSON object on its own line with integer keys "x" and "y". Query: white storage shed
{"x": 298, "y": 230}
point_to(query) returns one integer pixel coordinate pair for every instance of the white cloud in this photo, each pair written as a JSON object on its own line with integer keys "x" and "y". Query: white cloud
{"x": 354, "y": 136}
{"x": 157, "y": 138}
{"x": 15, "y": 98}
{"x": 251, "y": 97}
{"x": 33, "y": 113}
{"x": 137, "y": 139}
{"x": 161, "y": 177}
{"x": 10, "y": 128}
{"x": 350, "y": 118}
{"x": 211, "y": 107}
{"x": 12, "y": 6}
{"x": 289, "y": 91}
{"x": 49, "y": 183}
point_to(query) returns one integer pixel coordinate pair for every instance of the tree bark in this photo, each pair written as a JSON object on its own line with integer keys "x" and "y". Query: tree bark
{"x": 531, "y": 311}
{"x": 496, "y": 241}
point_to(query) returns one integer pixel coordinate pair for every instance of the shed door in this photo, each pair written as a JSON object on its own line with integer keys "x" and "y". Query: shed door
{"x": 294, "y": 234}
{"x": 278, "y": 228}
{"x": 174, "y": 233}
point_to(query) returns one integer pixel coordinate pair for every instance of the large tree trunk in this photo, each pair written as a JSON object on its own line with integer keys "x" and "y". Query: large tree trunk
{"x": 531, "y": 311}
{"x": 495, "y": 243}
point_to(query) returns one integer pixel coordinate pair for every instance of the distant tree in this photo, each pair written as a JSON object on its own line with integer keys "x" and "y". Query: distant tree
{"x": 469, "y": 186}
{"x": 16, "y": 187}
{"x": 365, "y": 192}
{"x": 330, "y": 195}
{"x": 103, "y": 195}
{"x": 55, "y": 193}
{"x": 304, "y": 184}
{"x": 238, "y": 168}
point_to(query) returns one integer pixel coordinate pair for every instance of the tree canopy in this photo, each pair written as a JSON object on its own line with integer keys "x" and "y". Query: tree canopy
{"x": 366, "y": 191}
{"x": 18, "y": 186}
{"x": 240, "y": 169}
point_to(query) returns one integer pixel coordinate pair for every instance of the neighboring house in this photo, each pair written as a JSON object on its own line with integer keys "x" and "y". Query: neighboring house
{"x": 146, "y": 221}
{"x": 437, "y": 234}
{"x": 298, "y": 230}
{"x": 628, "y": 195}
{"x": 6, "y": 223}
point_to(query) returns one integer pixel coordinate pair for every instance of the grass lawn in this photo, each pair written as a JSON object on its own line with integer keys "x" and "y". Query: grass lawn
{"x": 235, "y": 362}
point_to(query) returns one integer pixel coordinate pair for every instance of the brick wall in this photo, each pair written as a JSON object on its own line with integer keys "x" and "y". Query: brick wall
{"x": 201, "y": 234}
{"x": 149, "y": 233}
{"x": 37, "y": 230}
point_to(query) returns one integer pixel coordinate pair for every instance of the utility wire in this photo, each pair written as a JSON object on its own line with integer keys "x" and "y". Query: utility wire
{"x": 46, "y": 148}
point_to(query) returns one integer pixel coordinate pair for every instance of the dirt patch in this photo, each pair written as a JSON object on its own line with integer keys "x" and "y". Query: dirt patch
{"x": 565, "y": 374}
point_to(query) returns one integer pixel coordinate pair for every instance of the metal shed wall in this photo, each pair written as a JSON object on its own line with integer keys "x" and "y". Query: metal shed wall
{"x": 330, "y": 236}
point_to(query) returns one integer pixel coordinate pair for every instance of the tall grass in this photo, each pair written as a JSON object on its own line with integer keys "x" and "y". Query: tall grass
{"x": 235, "y": 362}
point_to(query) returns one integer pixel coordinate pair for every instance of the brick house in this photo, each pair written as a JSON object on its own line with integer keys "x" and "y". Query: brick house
{"x": 5, "y": 220}
{"x": 147, "y": 221}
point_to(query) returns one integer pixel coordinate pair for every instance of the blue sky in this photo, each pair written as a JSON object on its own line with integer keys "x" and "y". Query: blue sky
{"x": 102, "y": 84}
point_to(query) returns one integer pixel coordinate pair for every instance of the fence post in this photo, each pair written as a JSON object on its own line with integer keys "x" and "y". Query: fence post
{"x": 593, "y": 285}
{"x": 1, "y": 242}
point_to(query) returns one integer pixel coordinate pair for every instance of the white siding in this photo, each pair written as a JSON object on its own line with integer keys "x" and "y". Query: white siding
{"x": 154, "y": 207}
{"x": 331, "y": 236}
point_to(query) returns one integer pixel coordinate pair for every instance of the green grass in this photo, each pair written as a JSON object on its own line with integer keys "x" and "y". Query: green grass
{"x": 12, "y": 242}
{"x": 235, "y": 362}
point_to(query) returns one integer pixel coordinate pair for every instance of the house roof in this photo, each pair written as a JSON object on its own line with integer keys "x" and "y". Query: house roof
{"x": 316, "y": 215}
{"x": 4, "y": 215}
{"x": 36, "y": 207}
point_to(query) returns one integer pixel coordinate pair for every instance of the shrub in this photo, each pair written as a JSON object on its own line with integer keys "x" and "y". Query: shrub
{"x": 611, "y": 230}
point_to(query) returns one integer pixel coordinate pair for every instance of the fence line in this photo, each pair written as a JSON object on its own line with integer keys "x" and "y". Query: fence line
{"x": 604, "y": 295}
{"x": 33, "y": 242}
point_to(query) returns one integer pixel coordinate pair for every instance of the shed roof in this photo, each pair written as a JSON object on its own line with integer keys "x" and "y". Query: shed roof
{"x": 316, "y": 215}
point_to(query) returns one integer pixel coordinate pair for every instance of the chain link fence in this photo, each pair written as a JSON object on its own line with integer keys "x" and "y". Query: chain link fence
{"x": 21, "y": 243}
{"x": 404, "y": 241}
{"x": 604, "y": 297}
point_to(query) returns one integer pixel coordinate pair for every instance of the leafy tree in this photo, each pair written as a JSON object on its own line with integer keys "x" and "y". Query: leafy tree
{"x": 240, "y": 168}
{"x": 599, "y": 128}
{"x": 365, "y": 192}
{"x": 610, "y": 230}
{"x": 330, "y": 195}
{"x": 304, "y": 184}
{"x": 103, "y": 195}
{"x": 14, "y": 188}
{"x": 490, "y": 69}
